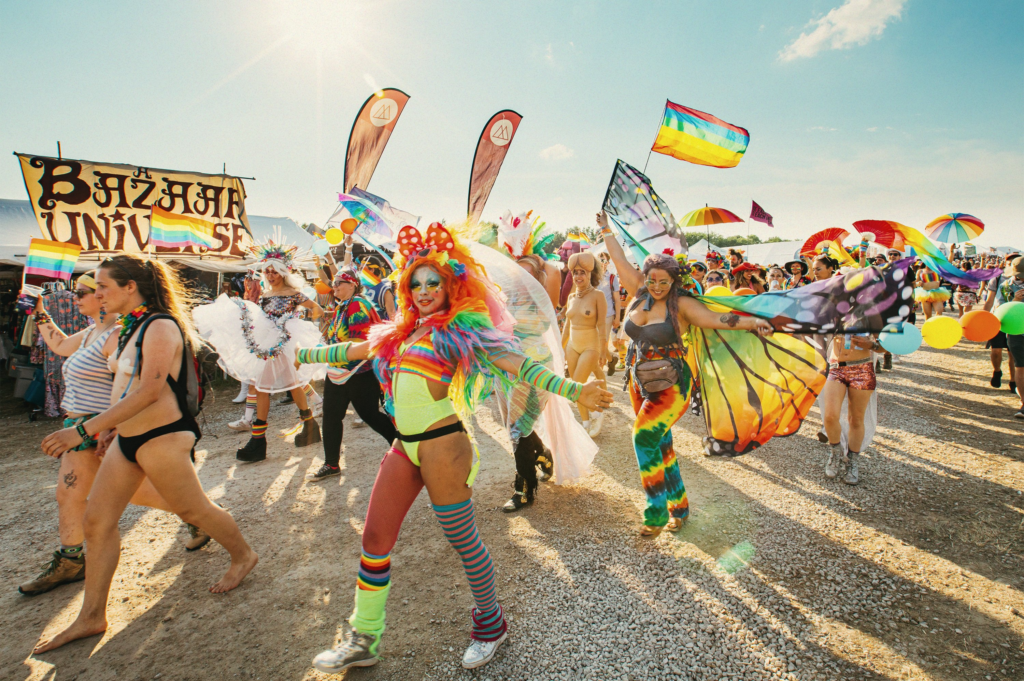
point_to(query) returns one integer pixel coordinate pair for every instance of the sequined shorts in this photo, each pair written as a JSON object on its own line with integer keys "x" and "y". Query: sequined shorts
{"x": 859, "y": 376}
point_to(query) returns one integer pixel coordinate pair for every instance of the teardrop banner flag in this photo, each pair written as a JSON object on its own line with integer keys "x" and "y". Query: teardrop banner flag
{"x": 495, "y": 139}
{"x": 370, "y": 133}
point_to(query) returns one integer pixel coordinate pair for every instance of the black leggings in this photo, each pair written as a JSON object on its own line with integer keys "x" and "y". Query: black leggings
{"x": 363, "y": 392}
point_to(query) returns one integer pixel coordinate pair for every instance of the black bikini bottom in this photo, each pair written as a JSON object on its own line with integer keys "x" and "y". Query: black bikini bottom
{"x": 130, "y": 444}
{"x": 436, "y": 433}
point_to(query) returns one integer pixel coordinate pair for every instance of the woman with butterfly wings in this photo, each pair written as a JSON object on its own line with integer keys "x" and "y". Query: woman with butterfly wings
{"x": 754, "y": 385}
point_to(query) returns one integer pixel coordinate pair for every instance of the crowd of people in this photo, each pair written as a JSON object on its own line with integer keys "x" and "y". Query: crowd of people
{"x": 415, "y": 350}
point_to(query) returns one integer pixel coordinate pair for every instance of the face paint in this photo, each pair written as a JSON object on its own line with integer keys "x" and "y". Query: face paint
{"x": 425, "y": 279}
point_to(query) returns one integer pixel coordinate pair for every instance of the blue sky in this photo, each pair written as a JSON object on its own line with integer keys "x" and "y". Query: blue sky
{"x": 888, "y": 109}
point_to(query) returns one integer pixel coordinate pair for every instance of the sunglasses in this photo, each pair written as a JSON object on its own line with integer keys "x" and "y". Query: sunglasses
{"x": 429, "y": 287}
{"x": 651, "y": 283}
{"x": 82, "y": 292}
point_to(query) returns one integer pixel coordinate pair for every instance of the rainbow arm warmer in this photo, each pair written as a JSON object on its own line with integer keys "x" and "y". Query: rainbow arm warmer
{"x": 324, "y": 354}
{"x": 543, "y": 378}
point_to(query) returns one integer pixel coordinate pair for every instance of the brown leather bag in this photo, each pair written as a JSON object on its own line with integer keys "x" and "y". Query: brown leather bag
{"x": 656, "y": 375}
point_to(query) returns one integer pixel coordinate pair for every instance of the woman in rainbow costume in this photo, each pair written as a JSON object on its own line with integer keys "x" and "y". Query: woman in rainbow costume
{"x": 930, "y": 293}
{"x": 449, "y": 344}
{"x": 256, "y": 342}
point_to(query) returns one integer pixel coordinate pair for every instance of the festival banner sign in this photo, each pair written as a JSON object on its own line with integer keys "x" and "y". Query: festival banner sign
{"x": 495, "y": 139}
{"x": 642, "y": 216}
{"x": 106, "y": 207}
{"x": 371, "y": 131}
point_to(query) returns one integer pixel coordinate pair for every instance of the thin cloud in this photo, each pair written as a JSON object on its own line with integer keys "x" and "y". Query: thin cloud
{"x": 855, "y": 22}
{"x": 549, "y": 55}
{"x": 822, "y": 128}
{"x": 557, "y": 152}
{"x": 874, "y": 129}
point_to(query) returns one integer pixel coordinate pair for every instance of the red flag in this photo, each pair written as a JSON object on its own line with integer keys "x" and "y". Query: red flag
{"x": 495, "y": 140}
{"x": 759, "y": 214}
{"x": 370, "y": 133}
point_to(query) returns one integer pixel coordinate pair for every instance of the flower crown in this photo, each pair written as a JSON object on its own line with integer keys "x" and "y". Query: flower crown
{"x": 438, "y": 246}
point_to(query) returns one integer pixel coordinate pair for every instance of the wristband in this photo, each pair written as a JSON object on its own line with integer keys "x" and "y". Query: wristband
{"x": 543, "y": 378}
{"x": 324, "y": 354}
{"x": 41, "y": 318}
{"x": 80, "y": 428}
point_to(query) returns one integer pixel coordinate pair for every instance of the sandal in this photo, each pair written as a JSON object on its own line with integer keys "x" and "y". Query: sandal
{"x": 674, "y": 524}
{"x": 651, "y": 530}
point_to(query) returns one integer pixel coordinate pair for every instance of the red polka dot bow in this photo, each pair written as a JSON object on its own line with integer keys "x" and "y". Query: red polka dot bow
{"x": 410, "y": 243}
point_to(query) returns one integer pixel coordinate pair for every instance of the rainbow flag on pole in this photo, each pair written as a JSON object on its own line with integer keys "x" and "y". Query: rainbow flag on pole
{"x": 368, "y": 278}
{"x": 698, "y": 137}
{"x": 172, "y": 230}
{"x": 51, "y": 259}
{"x": 577, "y": 237}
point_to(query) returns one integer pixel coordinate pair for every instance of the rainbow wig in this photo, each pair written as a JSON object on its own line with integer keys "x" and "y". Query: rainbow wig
{"x": 473, "y": 327}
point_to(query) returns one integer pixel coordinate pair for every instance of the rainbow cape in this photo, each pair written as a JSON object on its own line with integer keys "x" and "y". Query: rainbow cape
{"x": 51, "y": 259}
{"x": 698, "y": 137}
{"x": 930, "y": 254}
{"x": 171, "y": 230}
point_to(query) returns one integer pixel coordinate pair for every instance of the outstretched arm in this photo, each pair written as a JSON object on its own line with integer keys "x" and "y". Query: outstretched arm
{"x": 631, "y": 278}
{"x": 694, "y": 312}
{"x": 339, "y": 353}
{"x": 55, "y": 339}
{"x": 593, "y": 396}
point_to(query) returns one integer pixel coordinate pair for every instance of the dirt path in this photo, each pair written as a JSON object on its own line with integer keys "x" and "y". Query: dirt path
{"x": 915, "y": 574}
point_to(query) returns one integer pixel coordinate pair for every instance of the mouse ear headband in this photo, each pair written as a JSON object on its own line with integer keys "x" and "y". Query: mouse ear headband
{"x": 438, "y": 240}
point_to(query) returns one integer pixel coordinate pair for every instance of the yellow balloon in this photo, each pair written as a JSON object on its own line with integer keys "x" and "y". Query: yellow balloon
{"x": 720, "y": 291}
{"x": 334, "y": 236}
{"x": 941, "y": 332}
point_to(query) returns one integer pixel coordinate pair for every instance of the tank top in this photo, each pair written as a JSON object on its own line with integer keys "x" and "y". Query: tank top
{"x": 87, "y": 378}
{"x": 377, "y": 294}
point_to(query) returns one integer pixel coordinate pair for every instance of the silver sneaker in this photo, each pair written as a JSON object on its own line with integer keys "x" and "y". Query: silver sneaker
{"x": 835, "y": 458}
{"x": 357, "y": 650}
{"x": 241, "y": 425}
{"x": 480, "y": 653}
{"x": 852, "y": 473}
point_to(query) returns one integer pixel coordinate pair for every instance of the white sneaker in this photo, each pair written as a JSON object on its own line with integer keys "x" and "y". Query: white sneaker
{"x": 241, "y": 425}
{"x": 357, "y": 650}
{"x": 595, "y": 424}
{"x": 358, "y": 422}
{"x": 480, "y": 653}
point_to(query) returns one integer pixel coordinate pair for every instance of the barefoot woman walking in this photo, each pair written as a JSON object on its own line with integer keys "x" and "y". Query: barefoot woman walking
{"x": 156, "y": 433}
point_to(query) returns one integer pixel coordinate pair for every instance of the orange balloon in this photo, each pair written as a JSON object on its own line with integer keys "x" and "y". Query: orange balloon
{"x": 322, "y": 288}
{"x": 979, "y": 325}
{"x": 349, "y": 225}
{"x": 744, "y": 292}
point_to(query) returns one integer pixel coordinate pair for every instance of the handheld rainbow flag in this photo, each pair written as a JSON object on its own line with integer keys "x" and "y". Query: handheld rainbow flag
{"x": 51, "y": 259}
{"x": 171, "y": 230}
{"x": 577, "y": 237}
{"x": 368, "y": 278}
{"x": 698, "y": 137}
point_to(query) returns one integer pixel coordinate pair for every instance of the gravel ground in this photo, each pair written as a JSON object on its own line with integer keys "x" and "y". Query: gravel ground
{"x": 778, "y": 574}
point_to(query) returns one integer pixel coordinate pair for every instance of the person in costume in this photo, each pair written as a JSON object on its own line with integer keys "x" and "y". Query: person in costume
{"x": 965, "y": 296}
{"x": 823, "y": 267}
{"x": 797, "y": 274}
{"x": 585, "y": 334}
{"x": 660, "y": 371}
{"x": 156, "y": 431}
{"x": 609, "y": 287}
{"x": 88, "y": 384}
{"x": 543, "y": 432}
{"x": 851, "y": 377}
{"x": 930, "y": 293}
{"x": 450, "y": 342}
{"x": 353, "y": 382}
{"x": 256, "y": 343}
{"x": 714, "y": 261}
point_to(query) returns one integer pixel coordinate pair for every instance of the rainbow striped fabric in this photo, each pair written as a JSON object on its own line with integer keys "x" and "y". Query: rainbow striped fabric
{"x": 51, "y": 259}
{"x": 368, "y": 278}
{"x": 171, "y": 230}
{"x": 421, "y": 360}
{"x": 698, "y": 137}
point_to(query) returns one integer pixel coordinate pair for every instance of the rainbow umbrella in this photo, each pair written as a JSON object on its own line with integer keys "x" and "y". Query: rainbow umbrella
{"x": 706, "y": 216}
{"x": 954, "y": 228}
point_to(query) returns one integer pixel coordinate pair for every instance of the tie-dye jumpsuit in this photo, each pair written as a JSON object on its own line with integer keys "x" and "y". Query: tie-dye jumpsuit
{"x": 656, "y": 413}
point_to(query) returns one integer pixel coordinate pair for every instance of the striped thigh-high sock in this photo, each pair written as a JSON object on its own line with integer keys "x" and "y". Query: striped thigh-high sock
{"x": 311, "y": 396}
{"x": 459, "y": 526}
{"x": 250, "y": 407}
{"x": 372, "y": 587}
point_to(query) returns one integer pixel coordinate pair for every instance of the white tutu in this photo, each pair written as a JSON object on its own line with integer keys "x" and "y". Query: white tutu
{"x": 220, "y": 324}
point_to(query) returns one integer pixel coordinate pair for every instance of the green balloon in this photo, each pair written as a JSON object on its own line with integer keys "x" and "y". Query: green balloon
{"x": 1011, "y": 318}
